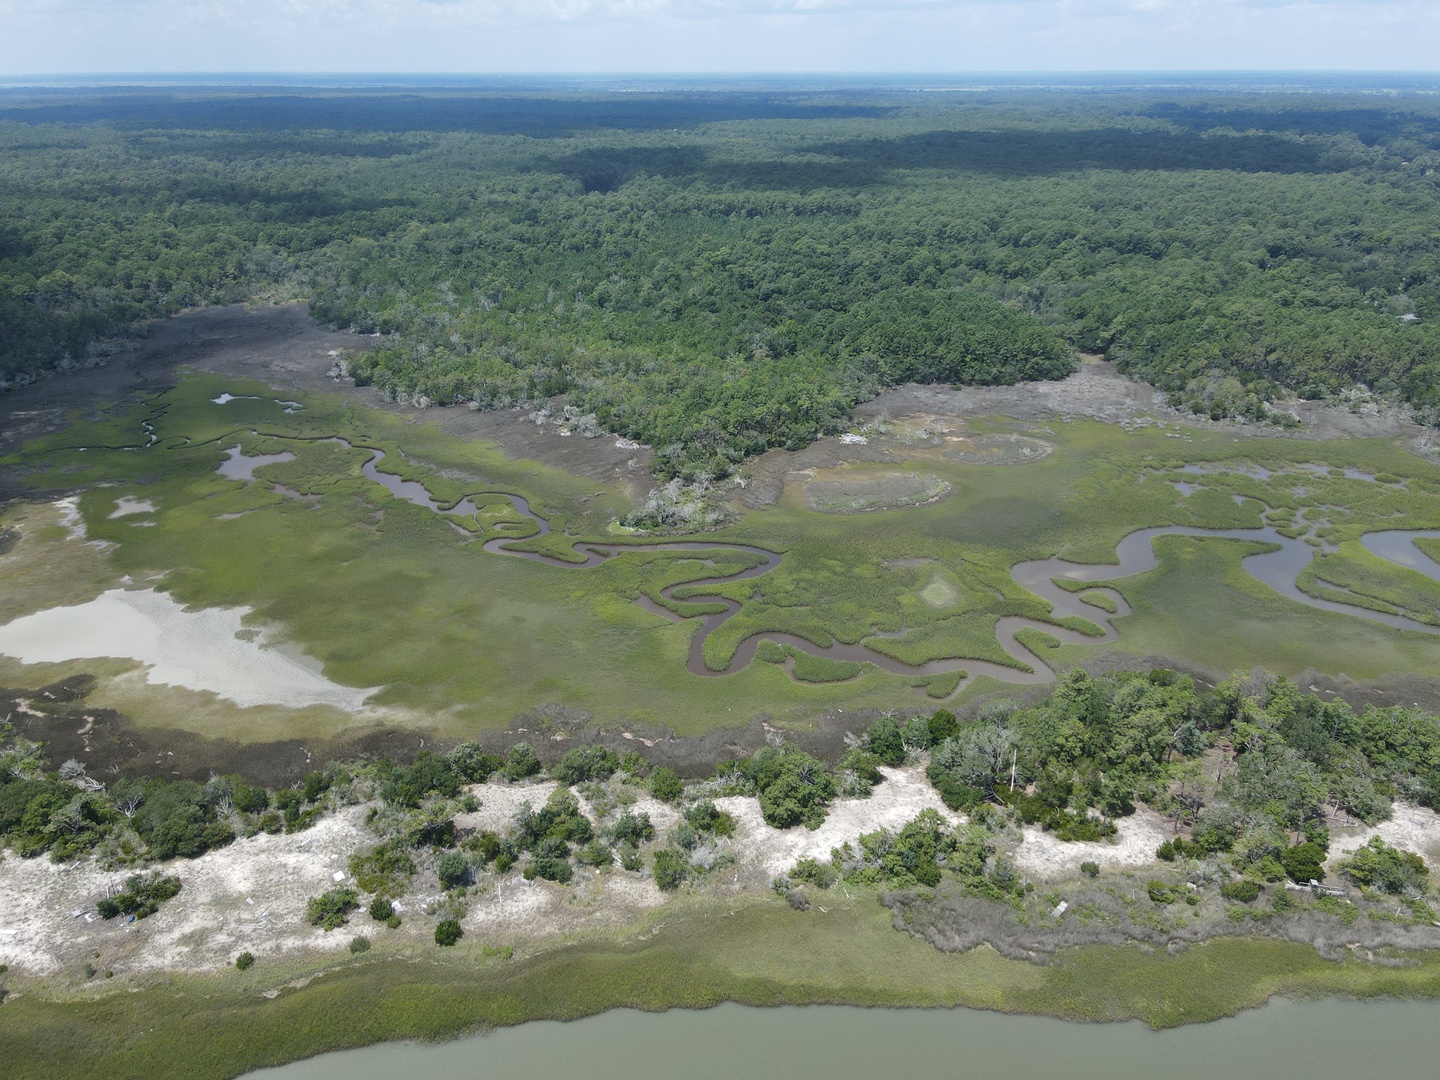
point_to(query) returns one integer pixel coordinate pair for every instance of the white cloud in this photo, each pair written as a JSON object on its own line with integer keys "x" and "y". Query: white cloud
{"x": 714, "y": 35}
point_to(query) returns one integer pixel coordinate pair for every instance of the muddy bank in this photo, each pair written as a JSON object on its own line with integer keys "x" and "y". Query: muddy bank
{"x": 111, "y": 745}
{"x": 210, "y": 339}
{"x": 282, "y": 346}
{"x": 287, "y": 350}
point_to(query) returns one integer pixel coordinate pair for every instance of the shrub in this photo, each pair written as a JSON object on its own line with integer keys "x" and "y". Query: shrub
{"x": 244, "y": 961}
{"x": 448, "y": 932}
{"x": 559, "y": 819}
{"x": 551, "y": 869}
{"x": 1090, "y": 869}
{"x": 706, "y": 817}
{"x": 521, "y": 761}
{"x": 595, "y": 853}
{"x": 797, "y": 900}
{"x": 634, "y": 764}
{"x": 453, "y": 870}
{"x": 1302, "y": 862}
{"x": 331, "y": 909}
{"x": 429, "y": 773}
{"x": 793, "y": 787}
{"x": 381, "y": 908}
{"x": 883, "y": 740}
{"x": 632, "y": 828}
{"x": 1161, "y": 893}
{"x": 1379, "y": 866}
{"x": 473, "y": 764}
{"x": 1242, "y": 892}
{"x": 665, "y": 784}
{"x": 943, "y": 725}
{"x": 861, "y": 771}
{"x": 671, "y": 868}
{"x": 821, "y": 875}
{"x": 383, "y": 871}
{"x": 359, "y": 944}
{"x": 248, "y": 799}
{"x": 630, "y": 857}
{"x": 143, "y": 895}
{"x": 586, "y": 763}
{"x": 393, "y": 922}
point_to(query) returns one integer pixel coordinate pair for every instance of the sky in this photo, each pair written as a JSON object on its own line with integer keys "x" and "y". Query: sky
{"x": 712, "y": 36}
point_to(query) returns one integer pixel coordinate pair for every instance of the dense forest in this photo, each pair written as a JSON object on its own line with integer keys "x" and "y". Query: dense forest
{"x": 718, "y": 273}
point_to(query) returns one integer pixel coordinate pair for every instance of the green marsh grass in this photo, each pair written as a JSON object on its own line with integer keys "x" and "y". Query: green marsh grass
{"x": 386, "y": 593}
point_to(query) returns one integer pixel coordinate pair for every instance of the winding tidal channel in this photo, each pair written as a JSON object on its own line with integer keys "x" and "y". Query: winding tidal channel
{"x": 1135, "y": 554}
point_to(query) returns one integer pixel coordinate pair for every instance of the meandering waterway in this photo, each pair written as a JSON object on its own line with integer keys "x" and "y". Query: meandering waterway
{"x": 1135, "y": 554}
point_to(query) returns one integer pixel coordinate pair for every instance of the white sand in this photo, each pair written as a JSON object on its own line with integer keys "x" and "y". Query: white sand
{"x": 897, "y": 801}
{"x": 1042, "y": 856}
{"x": 250, "y": 895}
{"x": 1410, "y": 828}
{"x": 199, "y": 650}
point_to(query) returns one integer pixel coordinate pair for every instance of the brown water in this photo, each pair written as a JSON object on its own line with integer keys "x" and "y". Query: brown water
{"x": 1135, "y": 554}
{"x": 1325, "y": 1040}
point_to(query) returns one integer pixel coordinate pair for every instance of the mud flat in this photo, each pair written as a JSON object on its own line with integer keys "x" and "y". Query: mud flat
{"x": 210, "y": 649}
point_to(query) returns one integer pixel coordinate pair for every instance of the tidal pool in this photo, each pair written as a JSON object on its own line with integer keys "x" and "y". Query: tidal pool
{"x": 209, "y": 649}
{"x": 1282, "y": 1041}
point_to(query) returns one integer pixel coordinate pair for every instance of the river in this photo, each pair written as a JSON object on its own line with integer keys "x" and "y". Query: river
{"x": 1313, "y": 1040}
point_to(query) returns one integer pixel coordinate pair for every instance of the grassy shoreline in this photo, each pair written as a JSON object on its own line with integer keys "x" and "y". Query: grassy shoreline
{"x": 690, "y": 955}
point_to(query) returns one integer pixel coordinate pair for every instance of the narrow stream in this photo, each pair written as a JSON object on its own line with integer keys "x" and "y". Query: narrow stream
{"x": 1135, "y": 554}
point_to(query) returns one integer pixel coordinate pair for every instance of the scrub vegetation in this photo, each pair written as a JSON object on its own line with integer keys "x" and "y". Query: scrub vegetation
{"x": 1291, "y": 764}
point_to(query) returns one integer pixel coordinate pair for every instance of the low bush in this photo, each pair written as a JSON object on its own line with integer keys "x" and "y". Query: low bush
{"x": 359, "y": 944}
{"x": 385, "y": 871}
{"x": 706, "y": 817}
{"x": 143, "y": 895}
{"x": 521, "y": 761}
{"x": 244, "y": 961}
{"x": 811, "y": 872}
{"x": 665, "y": 784}
{"x": 453, "y": 870}
{"x": 632, "y": 828}
{"x": 586, "y": 763}
{"x": 1242, "y": 892}
{"x": 1386, "y": 869}
{"x": 448, "y": 932}
{"x": 1302, "y": 862}
{"x": 331, "y": 909}
{"x": 671, "y": 868}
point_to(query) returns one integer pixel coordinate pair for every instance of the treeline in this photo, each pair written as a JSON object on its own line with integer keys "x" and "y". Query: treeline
{"x": 721, "y": 288}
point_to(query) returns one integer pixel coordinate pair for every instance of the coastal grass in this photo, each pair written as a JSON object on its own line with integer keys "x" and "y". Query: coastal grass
{"x": 690, "y": 955}
{"x": 385, "y": 593}
{"x": 1200, "y": 604}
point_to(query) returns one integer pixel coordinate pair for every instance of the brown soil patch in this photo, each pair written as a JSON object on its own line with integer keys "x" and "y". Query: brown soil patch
{"x": 1002, "y": 448}
{"x": 840, "y": 492}
{"x": 283, "y": 347}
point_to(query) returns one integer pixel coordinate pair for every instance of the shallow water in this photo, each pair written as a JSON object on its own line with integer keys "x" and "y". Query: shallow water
{"x": 199, "y": 650}
{"x": 237, "y": 466}
{"x": 1282, "y": 1041}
